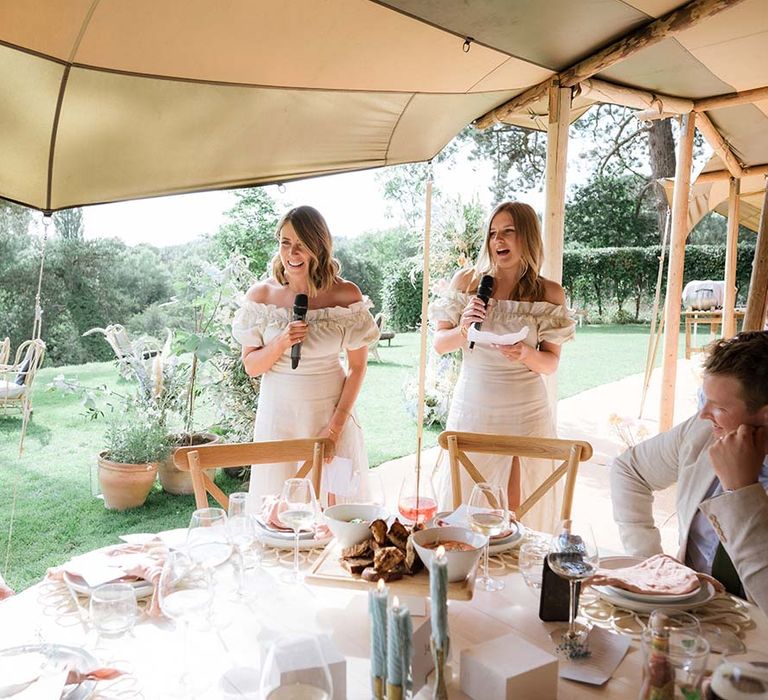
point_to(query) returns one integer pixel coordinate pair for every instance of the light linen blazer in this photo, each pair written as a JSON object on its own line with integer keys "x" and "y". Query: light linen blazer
{"x": 740, "y": 518}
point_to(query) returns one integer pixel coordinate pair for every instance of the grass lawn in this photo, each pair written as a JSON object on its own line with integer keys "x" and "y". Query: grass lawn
{"x": 50, "y": 486}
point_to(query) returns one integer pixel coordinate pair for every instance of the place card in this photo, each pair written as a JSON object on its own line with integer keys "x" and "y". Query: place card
{"x": 606, "y": 652}
{"x": 488, "y": 338}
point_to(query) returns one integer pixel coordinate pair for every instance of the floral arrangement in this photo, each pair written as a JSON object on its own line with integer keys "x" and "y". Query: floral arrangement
{"x": 628, "y": 430}
{"x": 440, "y": 380}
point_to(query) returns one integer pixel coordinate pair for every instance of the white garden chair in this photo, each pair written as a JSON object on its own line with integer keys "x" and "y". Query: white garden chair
{"x": 16, "y": 383}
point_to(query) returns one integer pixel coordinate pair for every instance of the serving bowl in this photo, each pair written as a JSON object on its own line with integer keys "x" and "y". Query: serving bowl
{"x": 460, "y": 563}
{"x": 338, "y": 518}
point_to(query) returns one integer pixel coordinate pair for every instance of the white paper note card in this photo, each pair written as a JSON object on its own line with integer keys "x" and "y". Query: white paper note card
{"x": 607, "y": 650}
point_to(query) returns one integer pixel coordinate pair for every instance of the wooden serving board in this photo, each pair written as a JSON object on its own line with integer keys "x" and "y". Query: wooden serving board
{"x": 328, "y": 571}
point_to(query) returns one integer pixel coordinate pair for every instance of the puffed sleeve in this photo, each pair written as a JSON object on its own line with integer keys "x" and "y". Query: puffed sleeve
{"x": 448, "y": 306}
{"x": 555, "y": 324}
{"x": 248, "y": 325}
{"x": 359, "y": 326}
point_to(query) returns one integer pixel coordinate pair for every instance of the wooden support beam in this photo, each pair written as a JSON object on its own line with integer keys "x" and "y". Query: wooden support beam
{"x": 754, "y": 318}
{"x": 731, "y": 99}
{"x": 669, "y": 25}
{"x": 718, "y": 144}
{"x": 731, "y": 253}
{"x": 679, "y": 233}
{"x": 603, "y": 91}
{"x": 557, "y": 155}
{"x": 649, "y": 115}
{"x": 717, "y": 175}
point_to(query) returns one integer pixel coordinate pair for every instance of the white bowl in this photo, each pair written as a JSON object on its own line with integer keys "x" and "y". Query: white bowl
{"x": 347, "y": 533}
{"x": 459, "y": 563}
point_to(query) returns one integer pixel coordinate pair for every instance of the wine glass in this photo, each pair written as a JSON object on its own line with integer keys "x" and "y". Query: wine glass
{"x": 417, "y": 501}
{"x": 367, "y": 488}
{"x": 297, "y": 509}
{"x": 573, "y": 555}
{"x": 488, "y": 515}
{"x": 311, "y": 682}
{"x": 242, "y": 532}
{"x": 207, "y": 538}
{"x": 185, "y": 592}
{"x": 237, "y": 503}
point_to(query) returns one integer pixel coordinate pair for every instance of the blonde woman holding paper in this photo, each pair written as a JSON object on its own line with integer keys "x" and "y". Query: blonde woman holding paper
{"x": 500, "y": 387}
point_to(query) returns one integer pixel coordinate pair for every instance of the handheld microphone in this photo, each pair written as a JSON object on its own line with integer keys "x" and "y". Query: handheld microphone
{"x": 300, "y": 305}
{"x": 484, "y": 291}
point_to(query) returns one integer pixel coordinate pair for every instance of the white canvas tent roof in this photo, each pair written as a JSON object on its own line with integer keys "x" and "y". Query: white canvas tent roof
{"x": 104, "y": 100}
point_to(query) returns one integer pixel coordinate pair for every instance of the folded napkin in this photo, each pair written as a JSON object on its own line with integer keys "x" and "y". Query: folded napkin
{"x": 659, "y": 575}
{"x": 96, "y": 674}
{"x": 122, "y": 562}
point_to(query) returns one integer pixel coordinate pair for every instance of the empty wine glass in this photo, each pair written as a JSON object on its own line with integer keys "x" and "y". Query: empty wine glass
{"x": 185, "y": 592}
{"x": 207, "y": 538}
{"x": 238, "y": 503}
{"x": 297, "y": 509}
{"x": 365, "y": 488}
{"x": 310, "y": 682}
{"x": 573, "y": 555}
{"x": 113, "y": 608}
{"x": 417, "y": 502}
{"x": 242, "y": 532}
{"x": 488, "y": 514}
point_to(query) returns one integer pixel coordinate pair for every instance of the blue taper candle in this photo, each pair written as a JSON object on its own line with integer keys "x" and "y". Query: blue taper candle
{"x": 399, "y": 640}
{"x": 377, "y": 607}
{"x": 438, "y": 593}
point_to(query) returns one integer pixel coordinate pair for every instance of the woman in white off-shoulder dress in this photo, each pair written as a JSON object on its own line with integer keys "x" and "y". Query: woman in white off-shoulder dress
{"x": 501, "y": 389}
{"x": 318, "y": 397}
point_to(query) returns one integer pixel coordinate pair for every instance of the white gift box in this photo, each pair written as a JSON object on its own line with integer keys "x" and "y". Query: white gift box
{"x": 337, "y": 665}
{"x": 506, "y": 668}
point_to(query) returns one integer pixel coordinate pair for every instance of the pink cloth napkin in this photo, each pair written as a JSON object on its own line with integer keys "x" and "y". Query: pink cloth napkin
{"x": 140, "y": 561}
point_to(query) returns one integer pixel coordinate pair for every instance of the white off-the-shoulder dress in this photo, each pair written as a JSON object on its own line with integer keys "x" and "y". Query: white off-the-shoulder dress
{"x": 299, "y": 403}
{"x": 496, "y": 395}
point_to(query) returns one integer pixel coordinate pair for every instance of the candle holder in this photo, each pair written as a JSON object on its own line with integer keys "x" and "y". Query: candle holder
{"x": 394, "y": 692}
{"x": 378, "y": 683}
{"x": 440, "y": 656}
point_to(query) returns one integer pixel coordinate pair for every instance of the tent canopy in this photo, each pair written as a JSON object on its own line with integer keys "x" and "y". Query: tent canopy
{"x": 105, "y": 100}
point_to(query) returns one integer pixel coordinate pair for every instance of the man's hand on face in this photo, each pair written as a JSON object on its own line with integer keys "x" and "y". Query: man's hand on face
{"x": 738, "y": 456}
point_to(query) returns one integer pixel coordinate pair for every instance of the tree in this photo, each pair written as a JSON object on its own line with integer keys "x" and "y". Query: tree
{"x": 250, "y": 231}
{"x": 405, "y": 187}
{"x": 69, "y": 224}
{"x": 605, "y": 213}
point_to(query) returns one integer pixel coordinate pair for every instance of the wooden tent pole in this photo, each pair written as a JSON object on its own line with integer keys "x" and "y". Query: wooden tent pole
{"x": 731, "y": 254}
{"x": 718, "y": 144}
{"x": 678, "y": 234}
{"x": 424, "y": 328}
{"x": 758, "y": 282}
{"x": 653, "y": 336}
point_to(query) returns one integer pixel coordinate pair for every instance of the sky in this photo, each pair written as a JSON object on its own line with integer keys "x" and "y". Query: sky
{"x": 351, "y": 203}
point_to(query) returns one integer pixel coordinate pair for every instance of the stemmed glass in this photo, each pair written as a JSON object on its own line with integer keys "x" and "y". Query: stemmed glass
{"x": 488, "y": 515}
{"x": 311, "y": 682}
{"x": 573, "y": 555}
{"x": 297, "y": 509}
{"x": 417, "y": 501}
{"x": 207, "y": 537}
{"x": 185, "y": 592}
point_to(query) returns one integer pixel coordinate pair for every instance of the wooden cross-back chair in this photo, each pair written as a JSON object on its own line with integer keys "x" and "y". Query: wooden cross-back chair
{"x": 570, "y": 452}
{"x": 197, "y": 459}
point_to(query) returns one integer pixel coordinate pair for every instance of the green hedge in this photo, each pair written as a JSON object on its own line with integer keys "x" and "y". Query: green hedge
{"x": 594, "y": 278}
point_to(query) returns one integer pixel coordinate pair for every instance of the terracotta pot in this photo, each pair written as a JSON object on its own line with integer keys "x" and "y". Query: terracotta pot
{"x": 125, "y": 485}
{"x": 173, "y": 479}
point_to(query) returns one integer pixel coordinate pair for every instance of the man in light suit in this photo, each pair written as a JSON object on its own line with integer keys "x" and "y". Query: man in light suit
{"x": 718, "y": 460}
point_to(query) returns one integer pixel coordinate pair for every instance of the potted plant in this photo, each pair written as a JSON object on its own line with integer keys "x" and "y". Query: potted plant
{"x": 135, "y": 442}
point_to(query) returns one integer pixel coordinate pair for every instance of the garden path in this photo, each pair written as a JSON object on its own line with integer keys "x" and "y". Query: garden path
{"x": 587, "y": 416}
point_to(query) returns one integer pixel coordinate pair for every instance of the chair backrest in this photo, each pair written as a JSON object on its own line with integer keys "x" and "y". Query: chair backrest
{"x": 5, "y": 351}
{"x": 29, "y": 358}
{"x": 379, "y": 320}
{"x": 571, "y": 452}
{"x": 197, "y": 458}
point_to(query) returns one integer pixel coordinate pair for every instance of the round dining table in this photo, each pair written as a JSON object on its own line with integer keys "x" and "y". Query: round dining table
{"x": 241, "y": 628}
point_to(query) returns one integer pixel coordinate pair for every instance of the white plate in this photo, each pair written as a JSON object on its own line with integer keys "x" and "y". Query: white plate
{"x": 274, "y": 533}
{"x": 143, "y": 589}
{"x": 59, "y": 653}
{"x": 619, "y": 598}
{"x": 654, "y": 597}
{"x": 279, "y": 542}
{"x": 501, "y": 544}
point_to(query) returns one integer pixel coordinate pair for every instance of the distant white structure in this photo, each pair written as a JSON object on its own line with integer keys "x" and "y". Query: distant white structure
{"x": 704, "y": 294}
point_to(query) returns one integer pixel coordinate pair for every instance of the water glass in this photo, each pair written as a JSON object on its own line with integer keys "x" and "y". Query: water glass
{"x": 113, "y": 608}
{"x": 687, "y": 655}
{"x": 237, "y": 504}
{"x": 742, "y": 675}
{"x": 281, "y": 680}
{"x": 531, "y": 563}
